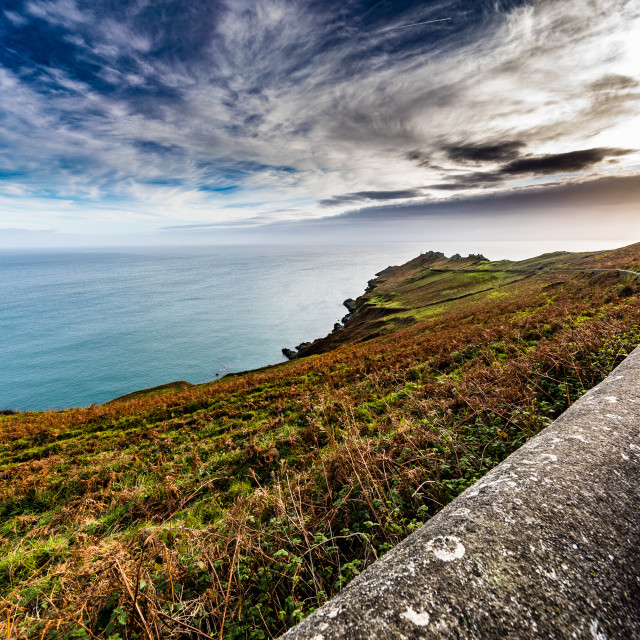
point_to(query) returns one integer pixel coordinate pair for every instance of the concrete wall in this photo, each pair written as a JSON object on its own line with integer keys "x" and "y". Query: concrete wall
{"x": 547, "y": 545}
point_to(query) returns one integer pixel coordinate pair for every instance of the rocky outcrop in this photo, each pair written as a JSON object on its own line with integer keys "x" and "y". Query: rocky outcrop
{"x": 291, "y": 354}
{"x": 546, "y": 545}
{"x": 351, "y": 305}
{"x": 371, "y": 285}
{"x": 432, "y": 256}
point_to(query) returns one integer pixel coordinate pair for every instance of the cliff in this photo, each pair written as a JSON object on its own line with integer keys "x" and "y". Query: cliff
{"x": 433, "y": 286}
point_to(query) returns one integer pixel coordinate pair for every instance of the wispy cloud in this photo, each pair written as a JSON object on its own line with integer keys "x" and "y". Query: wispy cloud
{"x": 233, "y": 110}
{"x": 416, "y": 24}
{"x": 364, "y": 196}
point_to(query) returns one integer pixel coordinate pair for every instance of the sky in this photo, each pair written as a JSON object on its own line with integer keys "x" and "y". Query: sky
{"x": 158, "y": 121}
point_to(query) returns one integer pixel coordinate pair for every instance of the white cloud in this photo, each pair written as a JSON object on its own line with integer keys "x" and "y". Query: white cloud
{"x": 267, "y": 92}
{"x": 15, "y": 18}
{"x": 57, "y": 12}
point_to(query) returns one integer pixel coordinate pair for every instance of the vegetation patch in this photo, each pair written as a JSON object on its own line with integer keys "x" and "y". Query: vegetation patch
{"x": 234, "y": 509}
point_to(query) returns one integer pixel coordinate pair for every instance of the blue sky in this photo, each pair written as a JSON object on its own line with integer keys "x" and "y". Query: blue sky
{"x": 207, "y": 120}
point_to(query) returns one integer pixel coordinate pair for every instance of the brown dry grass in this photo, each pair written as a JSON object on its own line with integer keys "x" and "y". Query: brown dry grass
{"x": 233, "y": 509}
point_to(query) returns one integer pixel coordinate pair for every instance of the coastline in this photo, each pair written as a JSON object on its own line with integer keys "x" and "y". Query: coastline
{"x": 87, "y": 327}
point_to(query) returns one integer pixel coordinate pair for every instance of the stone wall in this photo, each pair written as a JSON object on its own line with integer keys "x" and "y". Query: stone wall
{"x": 546, "y": 545}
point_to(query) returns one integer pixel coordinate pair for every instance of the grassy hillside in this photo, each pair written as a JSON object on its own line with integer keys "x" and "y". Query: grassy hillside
{"x": 233, "y": 509}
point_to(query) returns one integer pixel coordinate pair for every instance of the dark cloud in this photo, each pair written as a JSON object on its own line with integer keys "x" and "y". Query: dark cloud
{"x": 560, "y": 162}
{"x": 549, "y": 164}
{"x": 358, "y": 196}
{"x": 613, "y": 82}
{"x": 421, "y": 159}
{"x": 497, "y": 151}
{"x": 492, "y": 152}
{"x": 601, "y": 192}
{"x": 485, "y": 216}
{"x": 475, "y": 180}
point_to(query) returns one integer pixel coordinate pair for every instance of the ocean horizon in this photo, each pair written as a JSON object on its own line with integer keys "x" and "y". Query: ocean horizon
{"x": 79, "y": 327}
{"x": 85, "y": 326}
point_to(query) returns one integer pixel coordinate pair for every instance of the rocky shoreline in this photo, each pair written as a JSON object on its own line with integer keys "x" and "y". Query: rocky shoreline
{"x": 353, "y": 307}
{"x": 298, "y": 352}
{"x": 364, "y": 320}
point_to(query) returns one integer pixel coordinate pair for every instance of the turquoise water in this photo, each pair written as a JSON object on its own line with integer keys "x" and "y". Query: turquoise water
{"x": 78, "y": 327}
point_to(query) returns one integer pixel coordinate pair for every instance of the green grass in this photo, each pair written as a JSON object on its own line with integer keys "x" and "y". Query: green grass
{"x": 240, "y": 506}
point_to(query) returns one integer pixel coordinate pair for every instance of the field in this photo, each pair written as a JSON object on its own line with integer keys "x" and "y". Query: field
{"x": 233, "y": 509}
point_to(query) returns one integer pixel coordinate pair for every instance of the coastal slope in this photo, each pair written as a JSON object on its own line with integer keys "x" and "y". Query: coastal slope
{"x": 432, "y": 286}
{"x": 233, "y": 509}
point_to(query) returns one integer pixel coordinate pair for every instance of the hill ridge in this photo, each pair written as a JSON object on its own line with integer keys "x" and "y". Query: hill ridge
{"x": 369, "y": 308}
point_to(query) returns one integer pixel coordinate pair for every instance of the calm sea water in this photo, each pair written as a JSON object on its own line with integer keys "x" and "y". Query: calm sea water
{"x": 78, "y": 327}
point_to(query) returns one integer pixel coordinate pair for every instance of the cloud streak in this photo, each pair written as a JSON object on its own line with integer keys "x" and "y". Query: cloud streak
{"x": 359, "y": 196}
{"x": 492, "y": 152}
{"x": 231, "y": 111}
{"x": 571, "y": 163}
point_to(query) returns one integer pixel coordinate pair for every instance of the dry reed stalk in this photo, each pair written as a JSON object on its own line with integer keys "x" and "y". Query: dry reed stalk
{"x": 226, "y": 598}
{"x": 135, "y": 603}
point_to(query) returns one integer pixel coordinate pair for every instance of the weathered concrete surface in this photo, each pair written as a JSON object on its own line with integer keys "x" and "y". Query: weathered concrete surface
{"x": 547, "y": 545}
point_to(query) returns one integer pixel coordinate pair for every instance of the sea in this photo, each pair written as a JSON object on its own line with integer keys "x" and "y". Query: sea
{"x": 85, "y": 326}
{"x": 79, "y": 327}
